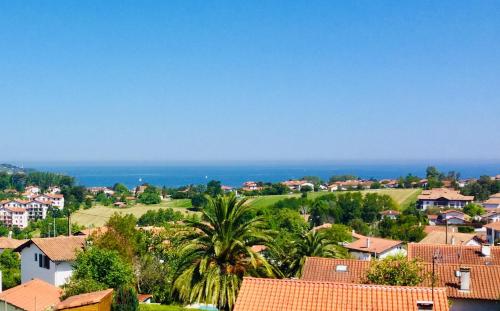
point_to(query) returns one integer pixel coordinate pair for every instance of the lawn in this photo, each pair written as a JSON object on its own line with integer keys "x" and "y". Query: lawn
{"x": 157, "y": 307}
{"x": 402, "y": 196}
{"x": 98, "y": 215}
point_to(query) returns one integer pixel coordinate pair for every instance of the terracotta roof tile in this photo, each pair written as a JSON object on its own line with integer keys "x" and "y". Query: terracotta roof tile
{"x": 84, "y": 299}
{"x": 493, "y": 225}
{"x": 9, "y": 243}
{"x": 448, "y": 194}
{"x": 439, "y": 237}
{"x": 453, "y": 254}
{"x": 377, "y": 245}
{"x": 485, "y": 280}
{"x": 32, "y": 293}
{"x": 293, "y": 295}
{"x": 62, "y": 248}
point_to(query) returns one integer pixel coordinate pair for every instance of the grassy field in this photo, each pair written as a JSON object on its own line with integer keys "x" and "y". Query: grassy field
{"x": 402, "y": 196}
{"x": 98, "y": 215}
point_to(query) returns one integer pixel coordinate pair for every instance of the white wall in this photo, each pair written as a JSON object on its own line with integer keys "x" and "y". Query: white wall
{"x": 393, "y": 251}
{"x": 58, "y": 274}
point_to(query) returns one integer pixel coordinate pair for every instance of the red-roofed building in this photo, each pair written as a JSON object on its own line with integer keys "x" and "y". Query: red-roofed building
{"x": 298, "y": 295}
{"x": 366, "y": 248}
{"x": 443, "y": 198}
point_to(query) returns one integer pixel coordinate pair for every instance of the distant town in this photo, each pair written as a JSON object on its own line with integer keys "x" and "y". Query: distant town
{"x": 438, "y": 233}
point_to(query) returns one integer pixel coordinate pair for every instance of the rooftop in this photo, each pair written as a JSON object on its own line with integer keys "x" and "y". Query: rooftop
{"x": 84, "y": 299}
{"x": 62, "y": 248}
{"x": 291, "y": 295}
{"x": 9, "y": 243}
{"x": 439, "y": 237}
{"x": 377, "y": 245}
{"x": 448, "y": 194}
{"x": 34, "y": 295}
{"x": 453, "y": 254}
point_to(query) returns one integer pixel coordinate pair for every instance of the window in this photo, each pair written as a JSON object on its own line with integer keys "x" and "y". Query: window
{"x": 40, "y": 260}
{"x": 341, "y": 268}
{"x": 46, "y": 262}
{"x": 36, "y": 257}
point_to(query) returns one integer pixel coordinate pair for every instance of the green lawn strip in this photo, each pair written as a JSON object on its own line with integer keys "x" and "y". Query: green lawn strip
{"x": 158, "y": 307}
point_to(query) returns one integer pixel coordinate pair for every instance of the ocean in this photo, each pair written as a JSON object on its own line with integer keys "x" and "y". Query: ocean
{"x": 234, "y": 175}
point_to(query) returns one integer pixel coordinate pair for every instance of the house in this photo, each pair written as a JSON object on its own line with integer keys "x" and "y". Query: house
{"x": 54, "y": 190}
{"x": 493, "y": 232}
{"x": 250, "y": 186}
{"x": 366, "y": 248}
{"x": 455, "y": 254}
{"x": 145, "y": 298}
{"x": 31, "y": 190}
{"x": 469, "y": 287}
{"x": 56, "y": 200}
{"x": 291, "y": 295}
{"x": 296, "y": 185}
{"x": 390, "y": 214}
{"x": 34, "y": 295}
{"x": 492, "y": 202}
{"x": 226, "y": 188}
{"x": 443, "y": 198}
{"x": 350, "y": 184}
{"x": 493, "y": 215}
{"x": 94, "y": 301}
{"x": 49, "y": 259}
{"x": 105, "y": 190}
{"x": 389, "y": 183}
{"x": 452, "y": 217}
{"x": 12, "y": 214}
{"x": 9, "y": 243}
{"x": 453, "y": 238}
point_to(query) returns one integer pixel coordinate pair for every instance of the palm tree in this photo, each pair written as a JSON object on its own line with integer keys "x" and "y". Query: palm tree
{"x": 219, "y": 253}
{"x": 314, "y": 243}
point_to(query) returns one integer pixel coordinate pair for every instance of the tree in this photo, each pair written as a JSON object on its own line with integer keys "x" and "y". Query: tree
{"x": 395, "y": 270}
{"x": 151, "y": 195}
{"x": 80, "y": 286}
{"x": 219, "y": 252}
{"x": 314, "y": 243}
{"x": 103, "y": 266}
{"x": 121, "y": 236}
{"x": 125, "y": 299}
{"x": 198, "y": 200}
{"x": 472, "y": 209}
{"x": 10, "y": 264}
{"x": 214, "y": 188}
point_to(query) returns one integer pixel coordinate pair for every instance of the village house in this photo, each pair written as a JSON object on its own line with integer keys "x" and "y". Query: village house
{"x": 389, "y": 214}
{"x": 350, "y": 184}
{"x": 31, "y": 190}
{"x": 250, "y": 186}
{"x": 453, "y": 217}
{"x": 9, "y": 243}
{"x": 491, "y": 216}
{"x": 105, "y": 190}
{"x": 455, "y": 254}
{"x": 13, "y": 215}
{"x": 493, "y": 232}
{"x": 297, "y": 185}
{"x": 366, "y": 248}
{"x": 469, "y": 287}
{"x": 34, "y": 295}
{"x": 49, "y": 259}
{"x": 443, "y": 198}
{"x": 258, "y": 294}
{"x": 493, "y": 202}
{"x": 452, "y": 238}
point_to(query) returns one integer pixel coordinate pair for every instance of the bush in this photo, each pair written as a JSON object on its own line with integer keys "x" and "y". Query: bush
{"x": 81, "y": 286}
{"x": 465, "y": 229}
{"x": 125, "y": 299}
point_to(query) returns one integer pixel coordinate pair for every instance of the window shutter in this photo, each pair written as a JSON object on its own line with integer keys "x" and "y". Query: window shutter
{"x": 36, "y": 257}
{"x": 40, "y": 260}
{"x": 46, "y": 262}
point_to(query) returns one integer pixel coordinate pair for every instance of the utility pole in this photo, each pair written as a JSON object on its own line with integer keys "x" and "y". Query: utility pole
{"x": 446, "y": 235}
{"x": 69, "y": 223}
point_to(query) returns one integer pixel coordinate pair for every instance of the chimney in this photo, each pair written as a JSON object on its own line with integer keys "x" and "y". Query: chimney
{"x": 425, "y": 305}
{"x": 368, "y": 242}
{"x": 465, "y": 279}
{"x": 486, "y": 250}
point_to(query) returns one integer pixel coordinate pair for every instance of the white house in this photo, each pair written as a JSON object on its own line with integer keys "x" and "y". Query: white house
{"x": 492, "y": 202}
{"x": 366, "y": 248}
{"x": 11, "y": 214}
{"x": 49, "y": 259}
{"x": 56, "y": 200}
{"x": 443, "y": 198}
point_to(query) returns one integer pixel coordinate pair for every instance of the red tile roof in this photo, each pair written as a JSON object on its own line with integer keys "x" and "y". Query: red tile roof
{"x": 84, "y": 299}
{"x": 377, "y": 245}
{"x": 293, "y": 295}
{"x": 34, "y": 295}
{"x": 9, "y": 243}
{"x": 62, "y": 248}
{"x": 493, "y": 225}
{"x": 453, "y": 254}
{"x": 485, "y": 280}
{"x": 448, "y": 194}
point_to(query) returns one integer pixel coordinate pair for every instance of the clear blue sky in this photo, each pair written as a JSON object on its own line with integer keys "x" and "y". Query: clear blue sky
{"x": 249, "y": 80}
